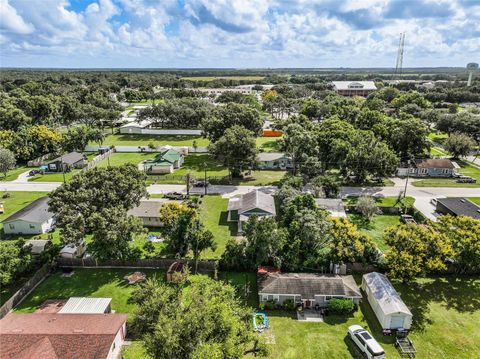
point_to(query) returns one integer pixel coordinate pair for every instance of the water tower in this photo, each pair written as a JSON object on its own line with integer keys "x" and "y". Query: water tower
{"x": 471, "y": 68}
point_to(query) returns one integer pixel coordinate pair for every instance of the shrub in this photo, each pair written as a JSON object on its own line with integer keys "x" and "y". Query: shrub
{"x": 289, "y": 304}
{"x": 340, "y": 306}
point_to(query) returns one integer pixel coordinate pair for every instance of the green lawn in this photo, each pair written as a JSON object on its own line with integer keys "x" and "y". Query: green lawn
{"x": 376, "y": 227}
{"x": 475, "y": 200}
{"x": 268, "y": 144}
{"x": 384, "y": 201}
{"x": 437, "y": 151}
{"x": 54, "y": 177}
{"x": 465, "y": 169}
{"x": 87, "y": 282}
{"x": 13, "y": 174}
{"x": 213, "y": 212}
{"x": 439, "y": 137}
{"x": 158, "y": 140}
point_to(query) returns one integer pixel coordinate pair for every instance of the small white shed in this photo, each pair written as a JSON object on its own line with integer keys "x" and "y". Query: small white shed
{"x": 391, "y": 311}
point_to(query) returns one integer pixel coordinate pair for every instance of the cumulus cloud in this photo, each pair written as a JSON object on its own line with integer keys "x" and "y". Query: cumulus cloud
{"x": 237, "y": 33}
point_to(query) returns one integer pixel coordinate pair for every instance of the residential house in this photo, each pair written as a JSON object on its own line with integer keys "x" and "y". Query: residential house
{"x": 428, "y": 168}
{"x": 389, "y": 308}
{"x": 86, "y": 305}
{"x": 273, "y": 161}
{"x": 38, "y": 246}
{"x": 67, "y": 162}
{"x": 307, "y": 289}
{"x": 34, "y": 218}
{"x": 56, "y": 335}
{"x": 165, "y": 162}
{"x": 252, "y": 203}
{"x": 73, "y": 250}
{"x": 354, "y": 88}
{"x": 458, "y": 206}
{"x": 334, "y": 206}
{"x": 135, "y": 127}
{"x": 149, "y": 211}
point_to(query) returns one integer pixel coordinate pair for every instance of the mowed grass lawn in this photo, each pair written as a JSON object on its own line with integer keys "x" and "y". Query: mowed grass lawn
{"x": 465, "y": 169}
{"x": 213, "y": 212}
{"x": 384, "y": 201}
{"x": 446, "y": 314}
{"x": 376, "y": 227}
{"x": 13, "y": 174}
{"x": 475, "y": 200}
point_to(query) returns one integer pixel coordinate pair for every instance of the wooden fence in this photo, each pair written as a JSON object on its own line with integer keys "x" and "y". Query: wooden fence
{"x": 206, "y": 267}
{"x": 25, "y": 290}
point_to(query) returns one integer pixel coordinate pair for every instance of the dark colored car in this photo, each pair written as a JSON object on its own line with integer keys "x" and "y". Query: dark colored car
{"x": 201, "y": 184}
{"x": 174, "y": 195}
{"x": 33, "y": 172}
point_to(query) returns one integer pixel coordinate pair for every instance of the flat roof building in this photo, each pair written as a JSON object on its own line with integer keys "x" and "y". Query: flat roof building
{"x": 354, "y": 88}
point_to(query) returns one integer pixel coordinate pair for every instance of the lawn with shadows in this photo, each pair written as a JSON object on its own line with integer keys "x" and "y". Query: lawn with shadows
{"x": 465, "y": 169}
{"x": 13, "y": 174}
{"x": 376, "y": 227}
{"x": 213, "y": 212}
{"x": 384, "y": 201}
{"x": 246, "y": 284}
{"x": 87, "y": 283}
{"x": 268, "y": 144}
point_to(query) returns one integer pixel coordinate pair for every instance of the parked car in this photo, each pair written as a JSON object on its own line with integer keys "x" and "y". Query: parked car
{"x": 174, "y": 195}
{"x": 466, "y": 179}
{"x": 433, "y": 201}
{"x": 367, "y": 344}
{"x": 406, "y": 218}
{"x": 201, "y": 183}
{"x": 33, "y": 172}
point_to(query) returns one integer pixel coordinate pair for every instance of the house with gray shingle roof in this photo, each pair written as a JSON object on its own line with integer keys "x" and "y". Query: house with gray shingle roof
{"x": 274, "y": 160}
{"x": 31, "y": 219}
{"x": 256, "y": 202}
{"x": 307, "y": 289}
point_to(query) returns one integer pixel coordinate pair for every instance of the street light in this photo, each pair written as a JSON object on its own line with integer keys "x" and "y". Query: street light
{"x": 406, "y": 182}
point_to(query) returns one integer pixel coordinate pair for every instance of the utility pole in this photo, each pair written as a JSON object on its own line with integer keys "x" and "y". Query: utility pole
{"x": 406, "y": 182}
{"x": 63, "y": 169}
{"x": 205, "y": 184}
{"x": 188, "y": 184}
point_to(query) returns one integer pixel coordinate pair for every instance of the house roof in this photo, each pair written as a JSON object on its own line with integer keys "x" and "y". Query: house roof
{"x": 308, "y": 285}
{"x": 461, "y": 206}
{"x": 35, "y": 212}
{"x": 169, "y": 155}
{"x": 149, "y": 207}
{"x": 252, "y": 200}
{"x": 141, "y": 124}
{"x": 53, "y": 335}
{"x": 333, "y": 205}
{"x": 270, "y": 156}
{"x": 354, "y": 85}
{"x": 385, "y": 294}
{"x": 86, "y": 305}
{"x": 69, "y": 158}
{"x": 434, "y": 163}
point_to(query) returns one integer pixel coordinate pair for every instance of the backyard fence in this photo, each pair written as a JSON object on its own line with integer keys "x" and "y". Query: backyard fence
{"x": 25, "y": 290}
{"x": 98, "y": 158}
{"x": 206, "y": 267}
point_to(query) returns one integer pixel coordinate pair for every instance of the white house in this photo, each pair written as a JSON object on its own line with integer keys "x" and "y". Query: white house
{"x": 354, "y": 88}
{"x": 31, "y": 219}
{"x": 389, "y": 308}
{"x": 274, "y": 160}
{"x": 135, "y": 127}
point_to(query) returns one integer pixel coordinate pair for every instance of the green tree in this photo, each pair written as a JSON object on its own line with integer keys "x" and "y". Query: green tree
{"x": 14, "y": 260}
{"x": 170, "y": 212}
{"x": 236, "y": 149}
{"x": 90, "y": 192}
{"x": 367, "y": 207}
{"x": 464, "y": 234}
{"x": 7, "y": 161}
{"x": 200, "y": 319}
{"x": 327, "y": 185}
{"x": 348, "y": 245}
{"x": 459, "y": 144}
{"x": 415, "y": 251}
{"x": 76, "y": 138}
{"x": 298, "y": 143}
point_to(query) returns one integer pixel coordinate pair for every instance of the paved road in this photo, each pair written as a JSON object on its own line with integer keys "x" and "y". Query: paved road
{"x": 422, "y": 195}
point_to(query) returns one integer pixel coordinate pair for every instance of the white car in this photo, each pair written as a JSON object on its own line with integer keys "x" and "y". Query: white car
{"x": 366, "y": 343}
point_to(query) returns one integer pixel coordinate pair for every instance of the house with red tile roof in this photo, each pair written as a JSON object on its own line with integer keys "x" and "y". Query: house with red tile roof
{"x": 58, "y": 336}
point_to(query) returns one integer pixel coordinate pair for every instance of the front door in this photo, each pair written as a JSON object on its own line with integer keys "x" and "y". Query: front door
{"x": 308, "y": 304}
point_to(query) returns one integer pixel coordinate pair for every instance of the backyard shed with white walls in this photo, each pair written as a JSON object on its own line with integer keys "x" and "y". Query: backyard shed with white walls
{"x": 389, "y": 308}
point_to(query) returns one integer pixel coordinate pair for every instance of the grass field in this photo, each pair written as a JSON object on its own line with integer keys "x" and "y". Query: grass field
{"x": 13, "y": 174}
{"x": 475, "y": 200}
{"x": 437, "y": 151}
{"x": 376, "y": 227}
{"x": 384, "y": 201}
{"x": 212, "y": 78}
{"x": 465, "y": 169}
{"x": 439, "y": 137}
{"x": 268, "y": 144}
{"x": 213, "y": 212}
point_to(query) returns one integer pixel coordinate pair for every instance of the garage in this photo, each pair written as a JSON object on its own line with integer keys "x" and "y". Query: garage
{"x": 389, "y": 308}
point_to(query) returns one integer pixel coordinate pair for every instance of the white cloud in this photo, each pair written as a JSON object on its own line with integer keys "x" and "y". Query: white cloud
{"x": 11, "y": 21}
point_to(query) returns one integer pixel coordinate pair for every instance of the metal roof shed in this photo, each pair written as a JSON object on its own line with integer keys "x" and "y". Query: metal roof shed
{"x": 86, "y": 305}
{"x": 389, "y": 308}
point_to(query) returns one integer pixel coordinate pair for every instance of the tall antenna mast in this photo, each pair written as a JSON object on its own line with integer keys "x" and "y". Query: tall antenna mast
{"x": 399, "y": 65}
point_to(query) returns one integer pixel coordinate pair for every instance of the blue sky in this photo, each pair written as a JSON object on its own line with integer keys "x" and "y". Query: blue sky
{"x": 237, "y": 33}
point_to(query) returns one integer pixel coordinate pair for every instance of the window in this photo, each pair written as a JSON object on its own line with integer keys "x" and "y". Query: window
{"x": 264, "y": 298}
{"x": 423, "y": 171}
{"x": 113, "y": 346}
{"x": 32, "y": 226}
{"x": 276, "y": 297}
{"x": 328, "y": 297}
{"x": 359, "y": 337}
{"x": 11, "y": 226}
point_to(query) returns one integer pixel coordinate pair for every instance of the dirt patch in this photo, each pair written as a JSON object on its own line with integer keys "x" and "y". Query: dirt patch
{"x": 51, "y": 306}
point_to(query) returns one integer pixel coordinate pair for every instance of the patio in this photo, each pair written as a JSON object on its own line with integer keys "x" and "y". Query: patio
{"x": 310, "y": 315}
